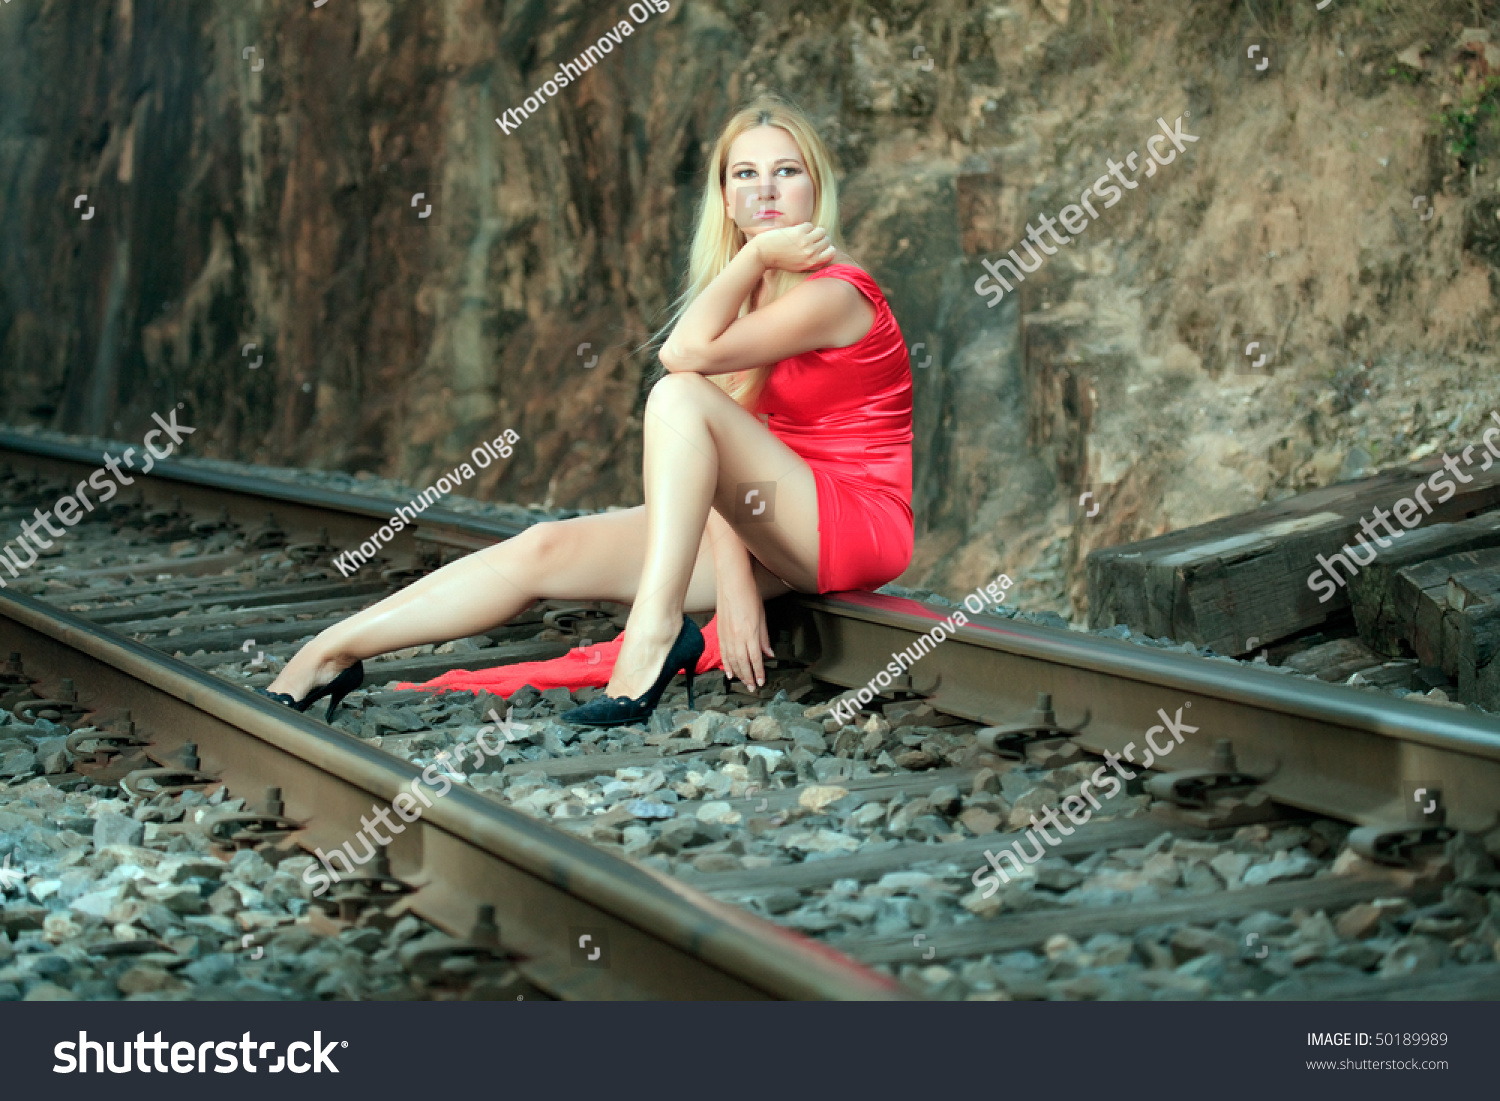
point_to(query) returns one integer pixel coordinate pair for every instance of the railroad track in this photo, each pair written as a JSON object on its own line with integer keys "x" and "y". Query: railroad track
{"x": 691, "y": 847}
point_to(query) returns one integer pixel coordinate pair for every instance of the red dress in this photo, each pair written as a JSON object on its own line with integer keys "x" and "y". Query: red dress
{"x": 847, "y": 413}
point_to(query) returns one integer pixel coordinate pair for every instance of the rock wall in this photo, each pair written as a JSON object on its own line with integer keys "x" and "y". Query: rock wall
{"x": 262, "y": 174}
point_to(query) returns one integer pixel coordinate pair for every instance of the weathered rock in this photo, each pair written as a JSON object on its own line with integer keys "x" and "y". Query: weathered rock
{"x": 1295, "y": 866}
{"x": 819, "y": 841}
{"x": 718, "y": 811}
{"x": 985, "y": 780}
{"x": 1359, "y": 921}
{"x": 1056, "y": 874}
{"x": 817, "y": 797}
{"x": 710, "y": 863}
{"x": 116, "y": 829}
{"x": 1190, "y": 942}
{"x": 1161, "y": 869}
{"x": 765, "y": 729}
{"x": 147, "y": 979}
{"x": 977, "y": 903}
{"x": 1231, "y": 866}
{"x": 1109, "y": 950}
{"x": 979, "y": 821}
{"x": 682, "y": 833}
{"x": 1414, "y": 956}
{"x": 944, "y": 799}
{"x": 1034, "y": 801}
{"x": 98, "y": 904}
{"x": 53, "y": 756}
{"x": 649, "y": 809}
{"x": 17, "y": 762}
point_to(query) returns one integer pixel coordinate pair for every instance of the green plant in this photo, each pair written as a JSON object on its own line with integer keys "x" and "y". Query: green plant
{"x": 1465, "y": 124}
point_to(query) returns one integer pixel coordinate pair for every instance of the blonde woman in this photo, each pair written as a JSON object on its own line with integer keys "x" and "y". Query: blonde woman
{"x": 777, "y": 453}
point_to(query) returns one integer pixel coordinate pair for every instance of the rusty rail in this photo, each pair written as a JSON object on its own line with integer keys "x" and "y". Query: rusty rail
{"x": 666, "y": 940}
{"x": 1352, "y": 755}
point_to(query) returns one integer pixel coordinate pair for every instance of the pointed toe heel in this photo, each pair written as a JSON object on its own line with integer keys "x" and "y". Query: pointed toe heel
{"x": 622, "y": 710}
{"x": 347, "y": 681}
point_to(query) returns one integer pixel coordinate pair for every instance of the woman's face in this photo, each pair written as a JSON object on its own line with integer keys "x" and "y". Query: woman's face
{"x": 766, "y": 185}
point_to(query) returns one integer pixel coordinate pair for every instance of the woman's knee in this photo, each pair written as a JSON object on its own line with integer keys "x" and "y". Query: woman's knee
{"x": 674, "y": 389}
{"x": 547, "y": 543}
{"x": 548, "y": 539}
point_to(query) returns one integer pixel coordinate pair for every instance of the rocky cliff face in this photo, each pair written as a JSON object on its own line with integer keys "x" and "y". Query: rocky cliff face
{"x": 329, "y": 184}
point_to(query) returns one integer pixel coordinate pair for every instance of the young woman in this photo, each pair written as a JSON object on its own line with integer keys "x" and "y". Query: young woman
{"x": 777, "y": 453}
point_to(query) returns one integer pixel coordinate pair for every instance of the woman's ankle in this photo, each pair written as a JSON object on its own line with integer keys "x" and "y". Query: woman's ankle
{"x": 312, "y": 670}
{"x": 653, "y": 628}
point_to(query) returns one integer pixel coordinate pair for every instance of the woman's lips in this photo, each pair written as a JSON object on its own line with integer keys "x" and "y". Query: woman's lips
{"x": 767, "y": 214}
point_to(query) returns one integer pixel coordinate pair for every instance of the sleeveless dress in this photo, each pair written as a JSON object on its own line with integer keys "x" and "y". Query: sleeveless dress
{"x": 847, "y": 413}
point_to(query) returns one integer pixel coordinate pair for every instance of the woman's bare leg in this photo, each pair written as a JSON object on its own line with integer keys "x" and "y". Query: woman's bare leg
{"x": 587, "y": 558}
{"x": 702, "y": 450}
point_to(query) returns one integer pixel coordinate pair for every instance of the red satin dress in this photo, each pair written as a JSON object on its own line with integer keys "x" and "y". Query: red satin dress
{"x": 847, "y": 412}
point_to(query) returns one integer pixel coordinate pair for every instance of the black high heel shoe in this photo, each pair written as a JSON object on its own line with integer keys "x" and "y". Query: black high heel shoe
{"x": 622, "y": 710}
{"x": 339, "y": 687}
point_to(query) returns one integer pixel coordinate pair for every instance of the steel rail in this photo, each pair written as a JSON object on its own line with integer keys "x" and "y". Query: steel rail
{"x": 665, "y": 939}
{"x": 1329, "y": 749}
{"x": 1325, "y": 748}
{"x": 302, "y": 509}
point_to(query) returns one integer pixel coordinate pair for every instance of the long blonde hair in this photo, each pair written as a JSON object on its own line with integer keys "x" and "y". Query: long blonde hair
{"x": 718, "y": 239}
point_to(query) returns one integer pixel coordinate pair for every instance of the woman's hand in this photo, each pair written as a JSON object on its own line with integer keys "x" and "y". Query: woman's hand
{"x": 742, "y": 628}
{"x": 794, "y": 248}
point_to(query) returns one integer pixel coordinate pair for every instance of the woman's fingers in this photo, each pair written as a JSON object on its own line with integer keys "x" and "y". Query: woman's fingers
{"x": 731, "y": 664}
{"x": 736, "y": 661}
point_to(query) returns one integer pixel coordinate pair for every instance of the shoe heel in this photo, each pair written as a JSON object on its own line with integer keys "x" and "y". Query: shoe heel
{"x": 353, "y": 677}
{"x": 687, "y": 671}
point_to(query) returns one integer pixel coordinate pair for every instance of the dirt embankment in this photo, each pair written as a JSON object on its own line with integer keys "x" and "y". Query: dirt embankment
{"x": 1337, "y": 210}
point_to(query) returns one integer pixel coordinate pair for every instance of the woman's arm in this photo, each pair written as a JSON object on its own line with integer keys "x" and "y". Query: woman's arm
{"x": 730, "y": 555}
{"x": 711, "y": 340}
{"x": 743, "y": 641}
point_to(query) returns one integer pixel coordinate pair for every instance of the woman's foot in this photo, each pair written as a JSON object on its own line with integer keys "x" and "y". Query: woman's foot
{"x": 306, "y": 672}
{"x": 641, "y": 656}
{"x": 622, "y": 710}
